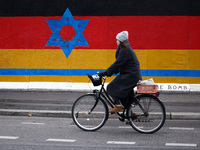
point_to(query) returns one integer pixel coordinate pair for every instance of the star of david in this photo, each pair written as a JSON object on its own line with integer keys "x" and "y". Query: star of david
{"x": 67, "y": 45}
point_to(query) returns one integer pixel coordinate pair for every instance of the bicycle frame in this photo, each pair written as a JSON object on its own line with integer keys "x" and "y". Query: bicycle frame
{"x": 104, "y": 95}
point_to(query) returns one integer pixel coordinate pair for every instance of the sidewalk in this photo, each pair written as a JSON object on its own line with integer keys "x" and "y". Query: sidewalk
{"x": 59, "y": 104}
{"x": 77, "y": 87}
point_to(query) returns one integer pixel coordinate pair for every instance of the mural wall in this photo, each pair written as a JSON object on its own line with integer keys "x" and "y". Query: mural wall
{"x": 62, "y": 40}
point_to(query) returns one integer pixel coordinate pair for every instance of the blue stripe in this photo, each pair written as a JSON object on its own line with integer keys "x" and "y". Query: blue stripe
{"x": 83, "y": 72}
{"x": 171, "y": 73}
{"x": 57, "y": 72}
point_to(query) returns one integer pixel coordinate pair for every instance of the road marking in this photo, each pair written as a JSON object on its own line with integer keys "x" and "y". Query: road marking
{"x": 178, "y": 128}
{"x": 120, "y": 142}
{"x": 181, "y": 144}
{"x": 60, "y": 140}
{"x": 125, "y": 127}
{"x": 32, "y": 123}
{"x": 129, "y": 127}
{"x": 9, "y": 137}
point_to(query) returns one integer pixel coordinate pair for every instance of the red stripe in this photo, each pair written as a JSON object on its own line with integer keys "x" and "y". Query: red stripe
{"x": 145, "y": 32}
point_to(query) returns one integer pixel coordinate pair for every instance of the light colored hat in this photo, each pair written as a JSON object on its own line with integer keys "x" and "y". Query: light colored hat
{"x": 122, "y": 36}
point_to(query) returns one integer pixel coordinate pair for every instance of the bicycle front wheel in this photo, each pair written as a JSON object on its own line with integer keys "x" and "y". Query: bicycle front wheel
{"x": 147, "y": 114}
{"x": 89, "y": 113}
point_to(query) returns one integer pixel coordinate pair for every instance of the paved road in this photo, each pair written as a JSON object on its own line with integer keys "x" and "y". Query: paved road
{"x": 182, "y": 102}
{"x": 29, "y": 133}
{"x": 12, "y": 103}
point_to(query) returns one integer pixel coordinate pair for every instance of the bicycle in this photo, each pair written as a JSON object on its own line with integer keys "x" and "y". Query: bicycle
{"x": 143, "y": 111}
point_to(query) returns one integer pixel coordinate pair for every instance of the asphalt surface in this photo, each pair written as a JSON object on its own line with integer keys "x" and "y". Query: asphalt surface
{"x": 59, "y": 104}
{"x": 47, "y": 133}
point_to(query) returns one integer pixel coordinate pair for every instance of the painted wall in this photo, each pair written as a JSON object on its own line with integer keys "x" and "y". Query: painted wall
{"x": 61, "y": 41}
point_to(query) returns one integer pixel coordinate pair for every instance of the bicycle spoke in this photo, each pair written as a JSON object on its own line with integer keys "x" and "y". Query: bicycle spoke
{"x": 150, "y": 114}
{"x": 88, "y": 114}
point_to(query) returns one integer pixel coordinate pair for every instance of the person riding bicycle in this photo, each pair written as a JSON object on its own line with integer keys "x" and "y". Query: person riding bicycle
{"x": 128, "y": 67}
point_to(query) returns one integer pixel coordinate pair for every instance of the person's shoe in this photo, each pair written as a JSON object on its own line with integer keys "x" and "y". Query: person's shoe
{"x": 116, "y": 109}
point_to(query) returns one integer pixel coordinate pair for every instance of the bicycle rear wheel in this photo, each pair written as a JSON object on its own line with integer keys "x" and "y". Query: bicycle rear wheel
{"x": 88, "y": 113}
{"x": 147, "y": 114}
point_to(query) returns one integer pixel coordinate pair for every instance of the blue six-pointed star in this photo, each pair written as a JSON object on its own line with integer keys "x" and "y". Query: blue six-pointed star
{"x": 78, "y": 39}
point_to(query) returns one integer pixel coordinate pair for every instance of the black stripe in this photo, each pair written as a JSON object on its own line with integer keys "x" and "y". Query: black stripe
{"x": 100, "y": 7}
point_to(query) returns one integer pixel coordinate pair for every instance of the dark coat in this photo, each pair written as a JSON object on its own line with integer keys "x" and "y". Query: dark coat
{"x": 128, "y": 66}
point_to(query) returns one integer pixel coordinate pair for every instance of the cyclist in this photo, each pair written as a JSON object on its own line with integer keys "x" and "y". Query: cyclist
{"x": 128, "y": 67}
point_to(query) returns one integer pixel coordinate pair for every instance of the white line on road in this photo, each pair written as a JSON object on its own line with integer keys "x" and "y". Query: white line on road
{"x": 32, "y": 123}
{"x": 120, "y": 142}
{"x": 179, "y": 128}
{"x": 9, "y": 137}
{"x": 60, "y": 140}
{"x": 125, "y": 127}
{"x": 181, "y": 144}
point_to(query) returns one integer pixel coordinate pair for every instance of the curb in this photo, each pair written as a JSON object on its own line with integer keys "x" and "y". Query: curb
{"x": 67, "y": 114}
{"x": 35, "y": 113}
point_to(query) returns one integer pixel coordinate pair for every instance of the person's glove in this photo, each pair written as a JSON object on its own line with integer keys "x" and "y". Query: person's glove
{"x": 101, "y": 74}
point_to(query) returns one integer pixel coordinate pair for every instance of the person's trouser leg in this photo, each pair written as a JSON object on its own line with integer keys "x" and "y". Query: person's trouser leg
{"x": 117, "y": 101}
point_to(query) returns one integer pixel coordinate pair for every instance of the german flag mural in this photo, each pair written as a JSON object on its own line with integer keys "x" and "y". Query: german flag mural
{"x": 62, "y": 40}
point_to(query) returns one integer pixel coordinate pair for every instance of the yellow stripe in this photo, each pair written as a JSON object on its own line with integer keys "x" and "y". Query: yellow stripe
{"x": 96, "y": 59}
{"x": 169, "y": 59}
{"x": 54, "y": 59}
{"x": 45, "y": 78}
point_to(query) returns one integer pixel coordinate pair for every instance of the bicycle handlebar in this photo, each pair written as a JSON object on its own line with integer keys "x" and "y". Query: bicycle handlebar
{"x": 96, "y": 79}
